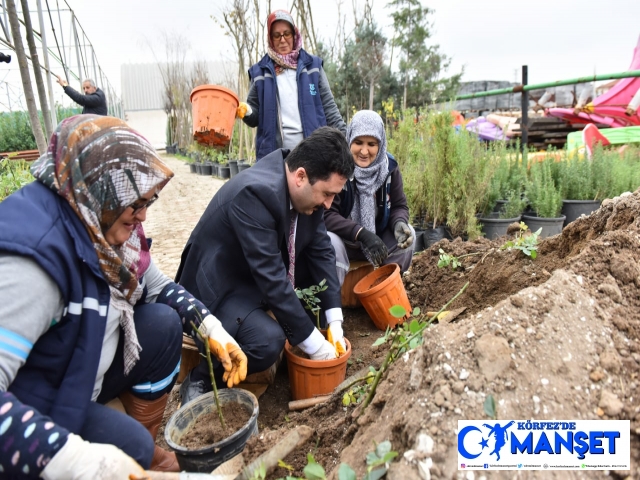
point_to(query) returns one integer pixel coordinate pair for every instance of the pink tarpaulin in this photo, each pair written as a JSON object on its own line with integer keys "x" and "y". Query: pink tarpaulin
{"x": 610, "y": 107}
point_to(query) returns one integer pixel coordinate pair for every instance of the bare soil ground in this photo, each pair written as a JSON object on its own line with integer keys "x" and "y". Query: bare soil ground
{"x": 553, "y": 338}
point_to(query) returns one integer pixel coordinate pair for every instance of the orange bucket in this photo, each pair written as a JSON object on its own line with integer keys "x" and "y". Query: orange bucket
{"x": 381, "y": 290}
{"x": 309, "y": 378}
{"x": 214, "y": 112}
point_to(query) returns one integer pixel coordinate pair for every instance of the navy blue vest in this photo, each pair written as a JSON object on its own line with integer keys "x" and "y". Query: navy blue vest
{"x": 309, "y": 101}
{"x": 383, "y": 202}
{"x": 59, "y": 374}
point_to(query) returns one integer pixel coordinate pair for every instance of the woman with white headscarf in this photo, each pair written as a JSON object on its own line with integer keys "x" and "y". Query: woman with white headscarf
{"x": 369, "y": 219}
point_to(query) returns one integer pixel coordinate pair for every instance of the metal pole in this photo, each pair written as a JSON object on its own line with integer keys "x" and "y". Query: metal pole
{"x": 64, "y": 49}
{"x": 521, "y": 88}
{"x": 45, "y": 54}
{"x": 6, "y": 22}
{"x": 8, "y": 97}
{"x": 75, "y": 40}
{"x": 524, "y": 105}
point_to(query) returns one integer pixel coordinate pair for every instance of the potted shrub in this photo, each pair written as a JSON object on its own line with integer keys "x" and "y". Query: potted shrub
{"x": 578, "y": 187}
{"x": 496, "y": 223}
{"x": 545, "y": 199}
{"x": 470, "y": 165}
{"x": 309, "y": 378}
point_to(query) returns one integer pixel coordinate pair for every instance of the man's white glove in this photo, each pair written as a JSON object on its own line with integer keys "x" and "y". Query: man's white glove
{"x": 317, "y": 347}
{"x": 335, "y": 329}
{"x": 326, "y": 352}
{"x": 81, "y": 460}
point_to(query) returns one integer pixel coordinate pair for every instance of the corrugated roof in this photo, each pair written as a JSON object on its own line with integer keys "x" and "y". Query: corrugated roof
{"x": 142, "y": 85}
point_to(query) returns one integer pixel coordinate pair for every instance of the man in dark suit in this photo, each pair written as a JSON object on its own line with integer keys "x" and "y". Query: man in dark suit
{"x": 239, "y": 259}
{"x": 93, "y": 100}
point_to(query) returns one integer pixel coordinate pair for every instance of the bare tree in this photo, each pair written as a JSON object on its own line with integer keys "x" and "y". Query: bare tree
{"x": 177, "y": 87}
{"x": 37, "y": 72}
{"x": 36, "y": 128}
{"x": 246, "y": 46}
{"x": 304, "y": 19}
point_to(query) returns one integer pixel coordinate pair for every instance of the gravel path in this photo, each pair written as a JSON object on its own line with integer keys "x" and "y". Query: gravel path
{"x": 173, "y": 217}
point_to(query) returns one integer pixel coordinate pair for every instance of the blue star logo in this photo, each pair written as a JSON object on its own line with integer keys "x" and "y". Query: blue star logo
{"x": 484, "y": 443}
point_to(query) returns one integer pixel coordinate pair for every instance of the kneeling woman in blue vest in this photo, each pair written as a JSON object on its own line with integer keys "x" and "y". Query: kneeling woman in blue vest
{"x": 86, "y": 316}
{"x": 290, "y": 95}
{"x": 369, "y": 219}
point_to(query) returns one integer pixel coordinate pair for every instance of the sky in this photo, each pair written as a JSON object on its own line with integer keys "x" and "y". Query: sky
{"x": 490, "y": 40}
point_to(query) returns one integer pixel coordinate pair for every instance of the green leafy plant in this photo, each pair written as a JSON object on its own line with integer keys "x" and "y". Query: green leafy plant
{"x": 355, "y": 395}
{"x": 312, "y": 303}
{"x": 544, "y": 195}
{"x": 515, "y": 205}
{"x": 490, "y": 407}
{"x": 446, "y": 260}
{"x": 377, "y": 463}
{"x": 408, "y": 336}
{"x": 14, "y": 174}
{"x": 527, "y": 243}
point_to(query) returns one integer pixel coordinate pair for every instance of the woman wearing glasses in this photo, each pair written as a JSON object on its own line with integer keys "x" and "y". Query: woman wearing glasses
{"x": 289, "y": 95}
{"x": 86, "y": 316}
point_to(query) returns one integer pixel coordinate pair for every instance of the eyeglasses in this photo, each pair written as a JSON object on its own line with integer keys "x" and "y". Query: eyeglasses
{"x": 142, "y": 203}
{"x": 275, "y": 36}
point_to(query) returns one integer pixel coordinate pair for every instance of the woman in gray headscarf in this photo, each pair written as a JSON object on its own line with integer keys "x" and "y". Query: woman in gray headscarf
{"x": 369, "y": 219}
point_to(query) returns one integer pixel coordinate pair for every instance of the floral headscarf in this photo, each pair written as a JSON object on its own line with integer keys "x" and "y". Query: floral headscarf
{"x": 101, "y": 166}
{"x": 290, "y": 60}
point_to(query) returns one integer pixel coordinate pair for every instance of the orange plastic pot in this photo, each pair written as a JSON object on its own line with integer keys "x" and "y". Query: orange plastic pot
{"x": 214, "y": 112}
{"x": 381, "y": 290}
{"x": 309, "y": 378}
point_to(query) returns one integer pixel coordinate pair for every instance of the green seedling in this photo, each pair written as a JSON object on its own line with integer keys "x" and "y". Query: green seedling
{"x": 406, "y": 337}
{"x": 377, "y": 463}
{"x": 526, "y": 243}
{"x": 312, "y": 303}
{"x": 207, "y": 355}
{"x": 490, "y": 407}
{"x": 447, "y": 260}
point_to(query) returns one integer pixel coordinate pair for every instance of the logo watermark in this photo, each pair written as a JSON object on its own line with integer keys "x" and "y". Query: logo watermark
{"x": 544, "y": 445}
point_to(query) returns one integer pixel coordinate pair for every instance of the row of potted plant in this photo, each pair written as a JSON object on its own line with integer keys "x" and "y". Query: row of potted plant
{"x": 457, "y": 185}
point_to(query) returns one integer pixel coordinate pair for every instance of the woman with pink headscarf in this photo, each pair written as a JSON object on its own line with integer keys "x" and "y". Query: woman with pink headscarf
{"x": 289, "y": 95}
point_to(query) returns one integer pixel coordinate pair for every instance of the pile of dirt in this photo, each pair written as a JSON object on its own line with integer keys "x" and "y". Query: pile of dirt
{"x": 565, "y": 347}
{"x": 552, "y": 338}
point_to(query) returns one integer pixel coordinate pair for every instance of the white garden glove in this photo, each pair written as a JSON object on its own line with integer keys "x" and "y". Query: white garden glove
{"x": 226, "y": 350}
{"x": 336, "y": 336}
{"x": 327, "y": 351}
{"x": 81, "y": 460}
{"x": 317, "y": 347}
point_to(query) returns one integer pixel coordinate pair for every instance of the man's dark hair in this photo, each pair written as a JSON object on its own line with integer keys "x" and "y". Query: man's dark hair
{"x": 322, "y": 153}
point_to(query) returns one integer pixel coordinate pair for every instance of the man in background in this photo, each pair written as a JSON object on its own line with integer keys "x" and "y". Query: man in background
{"x": 93, "y": 99}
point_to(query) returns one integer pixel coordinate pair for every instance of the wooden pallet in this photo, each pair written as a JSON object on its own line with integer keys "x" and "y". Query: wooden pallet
{"x": 545, "y": 132}
{"x": 27, "y": 155}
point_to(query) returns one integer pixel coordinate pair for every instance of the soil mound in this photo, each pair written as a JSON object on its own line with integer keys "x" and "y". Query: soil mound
{"x": 551, "y": 338}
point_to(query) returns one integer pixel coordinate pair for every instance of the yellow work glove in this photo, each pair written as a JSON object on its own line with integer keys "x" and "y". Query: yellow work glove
{"x": 336, "y": 338}
{"x": 82, "y": 460}
{"x": 226, "y": 350}
{"x": 242, "y": 110}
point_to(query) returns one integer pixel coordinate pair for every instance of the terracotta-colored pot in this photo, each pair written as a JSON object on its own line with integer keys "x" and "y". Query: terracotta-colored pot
{"x": 309, "y": 378}
{"x": 381, "y": 290}
{"x": 213, "y": 110}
